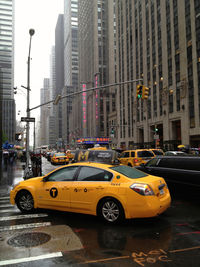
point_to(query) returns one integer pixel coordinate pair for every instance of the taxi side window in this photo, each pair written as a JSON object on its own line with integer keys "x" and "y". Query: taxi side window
{"x": 94, "y": 174}
{"x": 145, "y": 154}
{"x": 132, "y": 154}
{"x": 125, "y": 155}
{"x": 66, "y": 174}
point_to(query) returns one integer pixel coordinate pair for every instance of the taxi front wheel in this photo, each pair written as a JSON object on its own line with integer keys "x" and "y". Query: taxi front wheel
{"x": 24, "y": 201}
{"x": 111, "y": 210}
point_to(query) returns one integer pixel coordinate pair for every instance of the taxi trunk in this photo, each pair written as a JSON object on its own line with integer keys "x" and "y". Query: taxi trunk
{"x": 149, "y": 205}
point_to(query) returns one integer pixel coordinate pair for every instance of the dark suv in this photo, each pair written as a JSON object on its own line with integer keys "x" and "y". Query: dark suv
{"x": 176, "y": 169}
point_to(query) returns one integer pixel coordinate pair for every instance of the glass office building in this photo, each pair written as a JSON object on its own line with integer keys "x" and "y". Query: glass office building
{"x": 7, "y": 69}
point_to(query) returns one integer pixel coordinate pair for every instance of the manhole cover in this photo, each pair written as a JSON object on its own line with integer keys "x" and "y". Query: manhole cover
{"x": 29, "y": 240}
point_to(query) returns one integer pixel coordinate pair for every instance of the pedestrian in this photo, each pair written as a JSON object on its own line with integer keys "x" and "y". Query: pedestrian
{"x": 5, "y": 158}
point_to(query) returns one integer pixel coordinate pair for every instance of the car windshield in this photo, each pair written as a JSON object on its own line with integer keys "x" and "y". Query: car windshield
{"x": 129, "y": 171}
{"x": 59, "y": 154}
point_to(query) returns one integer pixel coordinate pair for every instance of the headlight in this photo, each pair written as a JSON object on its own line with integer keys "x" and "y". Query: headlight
{"x": 142, "y": 189}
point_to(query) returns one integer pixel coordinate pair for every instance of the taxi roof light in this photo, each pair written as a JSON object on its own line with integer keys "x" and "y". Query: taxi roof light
{"x": 142, "y": 189}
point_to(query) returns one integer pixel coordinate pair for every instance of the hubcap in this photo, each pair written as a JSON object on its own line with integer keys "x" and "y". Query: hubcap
{"x": 110, "y": 211}
{"x": 26, "y": 202}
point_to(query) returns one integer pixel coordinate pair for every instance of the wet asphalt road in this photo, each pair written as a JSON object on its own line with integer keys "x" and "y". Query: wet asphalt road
{"x": 173, "y": 239}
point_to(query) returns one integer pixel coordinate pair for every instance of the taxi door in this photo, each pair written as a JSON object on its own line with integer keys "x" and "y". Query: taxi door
{"x": 90, "y": 186}
{"x": 54, "y": 191}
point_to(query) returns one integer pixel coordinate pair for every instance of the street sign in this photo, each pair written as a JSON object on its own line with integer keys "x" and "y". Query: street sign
{"x": 26, "y": 119}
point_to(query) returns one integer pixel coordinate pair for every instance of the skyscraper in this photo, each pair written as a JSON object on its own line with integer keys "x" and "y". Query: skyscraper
{"x": 159, "y": 42}
{"x": 70, "y": 60}
{"x": 7, "y": 69}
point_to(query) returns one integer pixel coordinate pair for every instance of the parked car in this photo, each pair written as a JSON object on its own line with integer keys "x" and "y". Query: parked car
{"x": 175, "y": 169}
{"x": 175, "y": 153}
{"x": 111, "y": 191}
{"x": 135, "y": 157}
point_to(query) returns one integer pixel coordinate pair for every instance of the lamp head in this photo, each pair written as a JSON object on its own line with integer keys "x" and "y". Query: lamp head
{"x": 31, "y": 32}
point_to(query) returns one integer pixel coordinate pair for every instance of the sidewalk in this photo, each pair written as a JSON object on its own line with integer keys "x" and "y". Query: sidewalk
{"x": 11, "y": 174}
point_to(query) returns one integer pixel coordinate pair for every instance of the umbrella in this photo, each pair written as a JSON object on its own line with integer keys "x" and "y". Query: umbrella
{"x": 181, "y": 146}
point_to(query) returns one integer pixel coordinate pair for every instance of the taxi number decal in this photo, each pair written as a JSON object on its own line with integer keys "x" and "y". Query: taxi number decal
{"x": 116, "y": 184}
{"x": 53, "y": 192}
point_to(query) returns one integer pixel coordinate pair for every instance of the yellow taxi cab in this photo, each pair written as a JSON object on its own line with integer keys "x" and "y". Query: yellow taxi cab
{"x": 59, "y": 158}
{"x": 135, "y": 157}
{"x": 157, "y": 151}
{"x": 111, "y": 191}
{"x": 70, "y": 154}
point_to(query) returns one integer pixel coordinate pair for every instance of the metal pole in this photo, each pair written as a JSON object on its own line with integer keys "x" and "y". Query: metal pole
{"x": 1, "y": 126}
{"x": 31, "y": 32}
{"x": 34, "y": 137}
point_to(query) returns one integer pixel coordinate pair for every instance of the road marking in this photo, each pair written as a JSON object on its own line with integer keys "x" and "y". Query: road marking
{"x": 141, "y": 254}
{"x": 24, "y": 226}
{"x": 5, "y": 205}
{"x": 4, "y": 198}
{"x": 35, "y": 258}
{"x": 24, "y": 216}
{"x": 108, "y": 259}
{"x": 9, "y": 210}
{"x": 184, "y": 249}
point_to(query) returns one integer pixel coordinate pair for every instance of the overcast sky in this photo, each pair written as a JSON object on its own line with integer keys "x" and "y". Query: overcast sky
{"x": 41, "y": 15}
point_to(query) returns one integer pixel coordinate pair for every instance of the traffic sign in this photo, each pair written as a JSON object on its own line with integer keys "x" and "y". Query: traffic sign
{"x": 26, "y": 119}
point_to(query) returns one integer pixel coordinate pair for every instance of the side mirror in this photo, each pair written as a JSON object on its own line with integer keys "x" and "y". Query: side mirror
{"x": 45, "y": 179}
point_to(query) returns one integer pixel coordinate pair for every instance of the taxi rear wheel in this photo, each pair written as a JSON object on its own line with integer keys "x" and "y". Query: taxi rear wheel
{"x": 24, "y": 201}
{"x": 111, "y": 210}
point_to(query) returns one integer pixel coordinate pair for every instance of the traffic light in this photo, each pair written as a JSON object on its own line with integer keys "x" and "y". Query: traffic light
{"x": 112, "y": 131}
{"x": 139, "y": 91}
{"x": 156, "y": 129}
{"x": 145, "y": 92}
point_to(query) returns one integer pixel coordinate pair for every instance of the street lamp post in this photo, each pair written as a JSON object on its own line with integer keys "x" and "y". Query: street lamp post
{"x": 27, "y": 170}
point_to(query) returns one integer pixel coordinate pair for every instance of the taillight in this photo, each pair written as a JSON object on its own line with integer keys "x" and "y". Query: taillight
{"x": 135, "y": 160}
{"x": 142, "y": 189}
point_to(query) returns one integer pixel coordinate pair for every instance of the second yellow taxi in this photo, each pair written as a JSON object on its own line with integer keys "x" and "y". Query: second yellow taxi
{"x": 135, "y": 157}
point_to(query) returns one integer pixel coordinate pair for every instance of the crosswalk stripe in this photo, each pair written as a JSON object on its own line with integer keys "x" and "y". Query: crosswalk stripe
{"x": 41, "y": 257}
{"x": 8, "y": 210}
{"x": 5, "y": 205}
{"x": 4, "y": 198}
{"x": 23, "y": 226}
{"x": 23, "y": 216}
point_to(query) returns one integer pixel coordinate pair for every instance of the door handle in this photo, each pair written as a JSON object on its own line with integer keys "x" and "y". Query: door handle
{"x": 47, "y": 189}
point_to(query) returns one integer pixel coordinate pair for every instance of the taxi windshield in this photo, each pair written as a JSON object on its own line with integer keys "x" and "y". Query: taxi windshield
{"x": 59, "y": 154}
{"x": 129, "y": 171}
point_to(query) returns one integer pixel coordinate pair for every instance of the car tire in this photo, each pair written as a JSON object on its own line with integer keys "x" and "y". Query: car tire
{"x": 111, "y": 211}
{"x": 25, "y": 202}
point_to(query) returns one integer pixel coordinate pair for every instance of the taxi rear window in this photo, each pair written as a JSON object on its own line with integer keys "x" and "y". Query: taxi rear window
{"x": 129, "y": 171}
